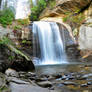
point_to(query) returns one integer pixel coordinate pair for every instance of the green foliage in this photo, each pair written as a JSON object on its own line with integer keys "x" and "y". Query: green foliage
{"x": 4, "y": 41}
{"x": 17, "y": 27}
{"x": 52, "y": 3}
{"x": 23, "y": 21}
{"x": 24, "y": 41}
{"x": 78, "y": 19}
{"x": 10, "y": 58}
{"x": 36, "y": 10}
{"x": 6, "y": 17}
{"x": 65, "y": 19}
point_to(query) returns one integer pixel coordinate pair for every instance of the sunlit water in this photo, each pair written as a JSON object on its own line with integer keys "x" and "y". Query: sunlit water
{"x": 48, "y": 45}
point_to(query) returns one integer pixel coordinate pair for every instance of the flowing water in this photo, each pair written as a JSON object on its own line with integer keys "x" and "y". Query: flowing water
{"x": 34, "y": 2}
{"x": 48, "y": 45}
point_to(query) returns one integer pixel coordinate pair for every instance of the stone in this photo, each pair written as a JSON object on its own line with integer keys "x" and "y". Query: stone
{"x": 69, "y": 83}
{"x": 11, "y": 72}
{"x": 17, "y": 85}
{"x": 45, "y": 84}
{"x": 26, "y": 88}
{"x": 63, "y": 6}
{"x": 87, "y": 76}
{"x": 85, "y": 37}
{"x": 84, "y": 85}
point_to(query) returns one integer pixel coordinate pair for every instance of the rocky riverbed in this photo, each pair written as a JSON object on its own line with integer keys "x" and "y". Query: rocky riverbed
{"x": 70, "y": 78}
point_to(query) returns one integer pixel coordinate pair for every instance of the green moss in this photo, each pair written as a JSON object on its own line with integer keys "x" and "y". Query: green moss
{"x": 77, "y": 18}
{"x": 52, "y": 3}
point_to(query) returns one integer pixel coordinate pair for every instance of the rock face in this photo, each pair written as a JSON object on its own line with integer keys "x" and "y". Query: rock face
{"x": 85, "y": 32}
{"x": 85, "y": 37}
{"x": 64, "y": 6}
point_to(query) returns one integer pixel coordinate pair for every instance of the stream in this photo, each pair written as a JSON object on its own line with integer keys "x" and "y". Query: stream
{"x": 58, "y": 78}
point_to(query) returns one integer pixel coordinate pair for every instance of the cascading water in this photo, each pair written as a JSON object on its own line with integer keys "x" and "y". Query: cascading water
{"x": 34, "y": 2}
{"x": 48, "y": 45}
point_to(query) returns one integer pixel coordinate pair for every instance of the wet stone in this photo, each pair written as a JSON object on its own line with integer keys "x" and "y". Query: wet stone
{"x": 89, "y": 83}
{"x": 45, "y": 84}
{"x": 69, "y": 83}
{"x": 87, "y": 76}
{"x": 84, "y": 85}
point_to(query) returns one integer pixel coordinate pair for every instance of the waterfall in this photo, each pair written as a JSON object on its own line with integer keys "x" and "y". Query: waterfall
{"x": 21, "y": 8}
{"x": 48, "y": 45}
{"x": 34, "y": 2}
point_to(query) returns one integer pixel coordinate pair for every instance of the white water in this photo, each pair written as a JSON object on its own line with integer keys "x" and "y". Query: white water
{"x": 48, "y": 44}
{"x": 21, "y": 8}
{"x": 34, "y": 2}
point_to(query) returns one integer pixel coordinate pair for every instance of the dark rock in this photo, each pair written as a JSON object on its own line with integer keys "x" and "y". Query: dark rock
{"x": 45, "y": 84}
{"x": 57, "y": 76}
{"x": 22, "y": 65}
{"x": 40, "y": 79}
{"x": 89, "y": 83}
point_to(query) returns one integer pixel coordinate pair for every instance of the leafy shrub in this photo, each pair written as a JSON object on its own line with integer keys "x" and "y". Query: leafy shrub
{"x": 23, "y": 21}
{"x": 77, "y": 19}
{"x": 4, "y": 41}
{"x": 17, "y": 27}
{"x": 36, "y": 10}
{"x": 6, "y": 17}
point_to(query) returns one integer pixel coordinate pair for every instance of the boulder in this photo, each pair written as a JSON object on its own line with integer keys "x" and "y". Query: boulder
{"x": 44, "y": 84}
{"x": 85, "y": 36}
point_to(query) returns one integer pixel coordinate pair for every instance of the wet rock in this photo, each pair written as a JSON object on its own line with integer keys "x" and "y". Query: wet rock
{"x": 57, "y": 76}
{"x": 60, "y": 85}
{"x": 45, "y": 84}
{"x": 64, "y": 77}
{"x": 69, "y": 83}
{"x": 11, "y": 72}
{"x": 89, "y": 83}
{"x": 87, "y": 76}
{"x": 84, "y": 85}
{"x": 40, "y": 79}
{"x": 31, "y": 73}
